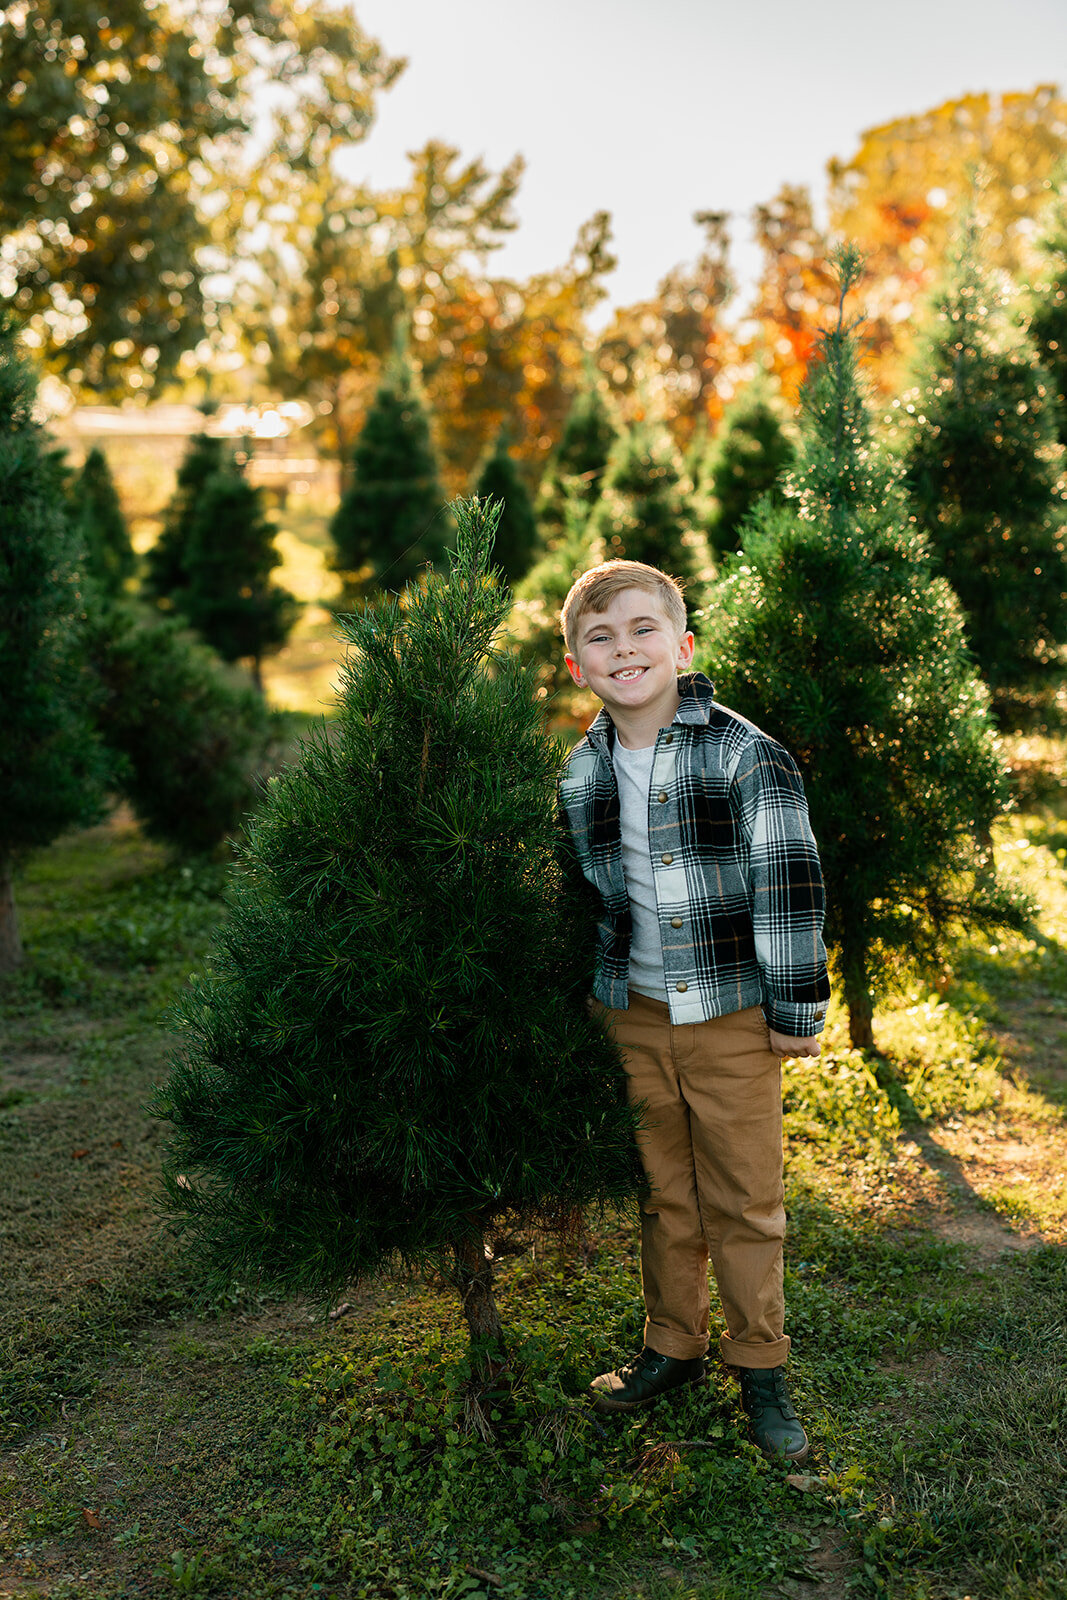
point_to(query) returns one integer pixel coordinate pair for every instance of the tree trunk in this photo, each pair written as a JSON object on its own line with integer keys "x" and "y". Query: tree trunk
{"x": 257, "y": 673}
{"x": 474, "y": 1280}
{"x": 10, "y": 943}
{"x": 858, "y": 998}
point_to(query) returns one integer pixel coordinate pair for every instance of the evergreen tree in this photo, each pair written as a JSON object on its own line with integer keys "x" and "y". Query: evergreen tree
{"x": 392, "y": 1062}
{"x": 832, "y": 632}
{"x": 52, "y": 766}
{"x": 190, "y": 737}
{"x": 981, "y": 468}
{"x": 1048, "y": 300}
{"x": 165, "y": 575}
{"x": 534, "y": 623}
{"x": 516, "y": 537}
{"x": 577, "y": 468}
{"x": 645, "y": 511}
{"x": 746, "y": 460}
{"x": 391, "y": 521}
{"x": 228, "y": 560}
{"x": 97, "y": 514}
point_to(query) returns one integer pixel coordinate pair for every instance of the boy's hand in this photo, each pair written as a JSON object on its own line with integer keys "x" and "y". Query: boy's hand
{"x": 783, "y": 1045}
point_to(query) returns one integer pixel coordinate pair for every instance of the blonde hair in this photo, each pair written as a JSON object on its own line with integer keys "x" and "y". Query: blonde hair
{"x": 596, "y": 589}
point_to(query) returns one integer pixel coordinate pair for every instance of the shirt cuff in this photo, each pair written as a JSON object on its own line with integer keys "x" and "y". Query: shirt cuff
{"x": 795, "y": 1021}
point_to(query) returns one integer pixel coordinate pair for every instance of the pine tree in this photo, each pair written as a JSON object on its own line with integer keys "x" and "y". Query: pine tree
{"x": 645, "y": 511}
{"x": 746, "y": 460}
{"x": 516, "y": 536}
{"x": 97, "y": 514}
{"x": 832, "y": 632}
{"x": 165, "y": 576}
{"x": 980, "y": 455}
{"x": 228, "y": 560}
{"x": 577, "y": 468}
{"x": 392, "y": 1063}
{"x": 190, "y": 737}
{"x": 539, "y": 597}
{"x": 1048, "y": 300}
{"x": 52, "y": 766}
{"x": 391, "y": 520}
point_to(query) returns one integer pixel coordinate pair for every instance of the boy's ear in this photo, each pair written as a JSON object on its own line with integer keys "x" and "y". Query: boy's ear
{"x": 686, "y": 647}
{"x": 574, "y": 669}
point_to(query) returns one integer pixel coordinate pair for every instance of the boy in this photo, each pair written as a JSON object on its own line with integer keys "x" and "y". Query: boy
{"x": 692, "y": 825}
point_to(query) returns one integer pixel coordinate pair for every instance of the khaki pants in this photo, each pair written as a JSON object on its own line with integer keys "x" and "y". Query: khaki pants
{"x": 711, "y": 1144}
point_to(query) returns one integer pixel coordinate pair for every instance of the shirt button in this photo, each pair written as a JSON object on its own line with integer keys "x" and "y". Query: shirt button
{"x": 668, "y": 738}
{"x": 661, "y": 797}
{"x": 676, "y": 922}
{"x": 667, "y": 859}
{"x": 681, "y": 987}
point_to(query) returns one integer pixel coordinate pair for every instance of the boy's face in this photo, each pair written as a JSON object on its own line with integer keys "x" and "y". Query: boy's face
{"x": 629, "y": 655}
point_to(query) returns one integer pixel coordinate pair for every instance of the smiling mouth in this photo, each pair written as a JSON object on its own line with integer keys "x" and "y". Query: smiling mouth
{"x": 628, "y": 674}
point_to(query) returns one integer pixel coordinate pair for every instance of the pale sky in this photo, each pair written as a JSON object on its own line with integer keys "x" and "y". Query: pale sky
{"x": 654, "y": 109}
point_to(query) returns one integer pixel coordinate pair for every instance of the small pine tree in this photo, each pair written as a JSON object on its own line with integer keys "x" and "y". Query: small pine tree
{"x": 645, "y": 511}
{"x": 98, "y": 517}
{"x": 539, "y": 597}
{"x": 516, "y": 537}
{"x": 165, "y": 577}
{"x": 1048, "y": 300}
{"x": 52, "y": 766}
{"x": 980, "y": 459}
{"x": 832, "y": 632}
{"x": 191, "y": 738}
{"x": 745, "y": 461}
{"x": 391, "y": 520}
{"x": 229, "y": 558}
{"x": 392, "y": 1061}
{"x": 574, "y": 475}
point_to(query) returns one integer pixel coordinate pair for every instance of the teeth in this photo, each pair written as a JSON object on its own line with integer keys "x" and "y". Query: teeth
{"x": 628, "y": 672}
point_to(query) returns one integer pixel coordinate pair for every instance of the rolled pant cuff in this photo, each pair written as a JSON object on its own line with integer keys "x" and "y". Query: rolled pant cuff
{"x": 683, "y": 1346}
{"x": 772, "y": 1354}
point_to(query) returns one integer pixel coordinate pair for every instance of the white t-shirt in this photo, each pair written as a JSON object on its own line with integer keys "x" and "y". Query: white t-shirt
{"x": 633, "y": 774}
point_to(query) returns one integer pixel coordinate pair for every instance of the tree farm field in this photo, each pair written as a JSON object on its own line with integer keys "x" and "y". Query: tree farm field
{"x": 157, "y": 1442}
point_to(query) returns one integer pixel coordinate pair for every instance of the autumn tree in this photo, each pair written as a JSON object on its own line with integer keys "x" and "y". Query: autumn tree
{"x": 983, "y": 466}
{"x": 327, "y": 1121}
{"x": 516, "y": 533}
{"x": 833, "y": 633}
{"x": 745, "y": 460}
{"x": 97, "y": 514}
{"x": 796, "y": 285}
{"x": 676, "y": 345}
{"x": 899, "y": 196}
{"x": 52, "y": 765}
{"x": 122, "y": 127}
{"x": 391, "y": 520}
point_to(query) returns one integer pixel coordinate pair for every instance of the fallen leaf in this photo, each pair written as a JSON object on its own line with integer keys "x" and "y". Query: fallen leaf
{"x": 801, "y": 1481}
{"x": 76, "y": 1155}
{"x": 92, "y": 1519}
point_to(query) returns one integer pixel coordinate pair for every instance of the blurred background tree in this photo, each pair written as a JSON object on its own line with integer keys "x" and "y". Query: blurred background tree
{"x": 391, "y": 520}
{"x": 515, "y": 544}
{"x": 1047, "y": 301}
{"x": 645, "y": 510}
{"x": 983, "y": 470}
{"x": 128, "y": 148}
{"x": 166, "y": 578}
{"x": 97, "y": 515}
{"x": 576, "y": 468}
{"x": 53, "y": 767}
{"x": 745, "y": 460}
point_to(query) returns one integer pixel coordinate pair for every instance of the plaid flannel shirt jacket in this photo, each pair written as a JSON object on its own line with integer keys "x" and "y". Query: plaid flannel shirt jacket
{"x": 735, "y": 865}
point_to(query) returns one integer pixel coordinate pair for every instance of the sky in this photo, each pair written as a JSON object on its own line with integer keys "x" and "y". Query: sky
{"x": 654, "y": 109}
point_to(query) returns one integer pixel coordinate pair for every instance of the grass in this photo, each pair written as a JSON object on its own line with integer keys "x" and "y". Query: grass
{"x": 156, "y": 1442}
